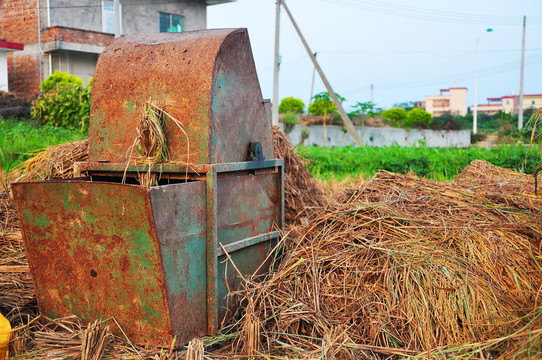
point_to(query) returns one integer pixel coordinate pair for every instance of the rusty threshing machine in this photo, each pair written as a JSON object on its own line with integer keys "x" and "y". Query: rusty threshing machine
{"x": 155, "y": 258}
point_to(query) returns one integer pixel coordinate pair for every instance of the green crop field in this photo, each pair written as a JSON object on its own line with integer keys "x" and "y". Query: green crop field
{"x": 19, "y": 140}
{"x": 433, "y": 163}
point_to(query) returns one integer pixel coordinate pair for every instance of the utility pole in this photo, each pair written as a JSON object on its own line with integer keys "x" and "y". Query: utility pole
{"x": 372, "y": 95}
{"x": 39, "y": 43}
{"x": 475, "y": 115}
{"x": 275, "y": 105}
{"x": 312, "y": 83}
{"x": 336, "y": 101}
{"x": 117, "y": 20}
{"x": 522, "y": 72}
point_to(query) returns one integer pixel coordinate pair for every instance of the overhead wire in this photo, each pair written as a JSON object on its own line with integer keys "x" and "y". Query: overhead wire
{"x": 434, "y": 14}
{"x": 487, "y": 72}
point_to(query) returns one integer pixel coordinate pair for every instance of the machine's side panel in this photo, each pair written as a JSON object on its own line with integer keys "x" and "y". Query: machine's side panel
{"x": 93, "y": 252}
{"x": 180, "y": 217}
{"x": 238, "y": 113}
{"x": 249, "y": 213}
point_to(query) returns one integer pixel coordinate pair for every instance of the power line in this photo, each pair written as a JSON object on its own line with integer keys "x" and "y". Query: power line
{"x": 487, "y": 72}
{"x": 433, "y": 14}
{"x": 385, "y": 53}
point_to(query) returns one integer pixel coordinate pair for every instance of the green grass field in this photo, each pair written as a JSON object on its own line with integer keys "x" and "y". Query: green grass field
{"x": 433, "y": 163}
{"x": 20, "y": 139}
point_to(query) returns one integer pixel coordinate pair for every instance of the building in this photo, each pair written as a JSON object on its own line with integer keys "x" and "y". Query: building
{"x": 450, "y": 101}
{"x": 509, "y": 104}
{"x": 70, "y": 34}
{"x": 419, "y": 104}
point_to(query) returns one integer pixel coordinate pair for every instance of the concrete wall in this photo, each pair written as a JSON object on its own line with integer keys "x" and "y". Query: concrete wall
{"x": 3, "y": 70}
{"x": 336, "y": 136}
{"x": 72, "y": 62}
{"x": 138, "y": 16}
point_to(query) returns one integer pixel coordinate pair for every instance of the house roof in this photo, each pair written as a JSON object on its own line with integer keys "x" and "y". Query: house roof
{"x": 524, "y": 96}
{"x": 10, "y": 46}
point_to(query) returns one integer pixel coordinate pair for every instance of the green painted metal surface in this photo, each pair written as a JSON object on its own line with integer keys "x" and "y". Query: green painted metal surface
{"x": 95, "y": 252}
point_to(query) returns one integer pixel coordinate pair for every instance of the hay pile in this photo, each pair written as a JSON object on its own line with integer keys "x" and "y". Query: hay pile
{"x": 405, "y": 266}
{"x": 302, "y": 195}
{"x": 55, "y": 162}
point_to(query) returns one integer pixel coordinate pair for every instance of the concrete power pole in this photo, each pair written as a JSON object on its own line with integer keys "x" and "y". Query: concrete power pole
{"x": 39, "y": 42}
{"x": 117, "y": 20}
{"x": 475, "y": 115}
{"x": 332, "y": 94}
{"x": 312, "y": 83}
{"x": 522, "y": 72}
{"x": 275, "y": 105}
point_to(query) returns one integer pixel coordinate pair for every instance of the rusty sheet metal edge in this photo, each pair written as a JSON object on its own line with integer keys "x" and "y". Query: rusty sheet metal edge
{"x": 212, "y": 267}
{"x": 141, "y": 332}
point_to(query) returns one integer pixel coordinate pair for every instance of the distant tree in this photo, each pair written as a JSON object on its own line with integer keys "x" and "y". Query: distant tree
{"x": 407, "y": 105}
{"x": 416, "y": 117}
{"x": 323, "y": 105}
{"x": 291, "y": 105}
{"x": 395, "y": 115}
{"x": 364, "y": 108}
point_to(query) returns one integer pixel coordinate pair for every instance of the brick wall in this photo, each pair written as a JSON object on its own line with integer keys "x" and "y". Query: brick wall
{"x": 24, "y": 74}
{"x": 19, "y": 21}
{"x": 76, "y": 36}
{"x": 20, "y": 24}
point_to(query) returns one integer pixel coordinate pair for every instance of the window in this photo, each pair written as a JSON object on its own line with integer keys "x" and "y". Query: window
{"x": 108, "y": 17}
{"x": 170, "y": 22}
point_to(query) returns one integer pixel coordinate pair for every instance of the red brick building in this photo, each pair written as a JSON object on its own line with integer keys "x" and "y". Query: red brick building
{"x": 70, "y": 35}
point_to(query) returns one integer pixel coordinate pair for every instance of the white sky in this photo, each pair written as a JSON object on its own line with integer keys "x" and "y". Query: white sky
{"x": 407, "y": 49}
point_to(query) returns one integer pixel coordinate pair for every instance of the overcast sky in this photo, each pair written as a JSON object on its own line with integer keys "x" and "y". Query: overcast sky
{"x": 405, "y": 49}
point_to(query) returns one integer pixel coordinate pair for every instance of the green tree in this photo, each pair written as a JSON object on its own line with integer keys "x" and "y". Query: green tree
{"x": 291, "y": 105}
{"x": 395, "y": 115}
{"x": 416, "y": 117}
{"x": 60, "y": 80}
{"x": 364, "y": 108}
{"x": 407, "y": 105}
{"x": 65, "y": 102}
{"x": 323, "y": 105}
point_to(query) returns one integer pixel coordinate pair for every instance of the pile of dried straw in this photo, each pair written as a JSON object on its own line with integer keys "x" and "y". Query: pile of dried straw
{"x": 55, "y": 162}
{"x": 302, "y": 195}
{"x": 405, "y": 266}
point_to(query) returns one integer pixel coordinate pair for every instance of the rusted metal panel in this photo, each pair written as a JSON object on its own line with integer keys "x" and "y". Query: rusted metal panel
{"x": 247, "y": 207}
{"x": 180, "y": 217}
{"x": 247, "y": 260}
{"x": 205, "y": 79}
{"x": 93, "y": 252}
